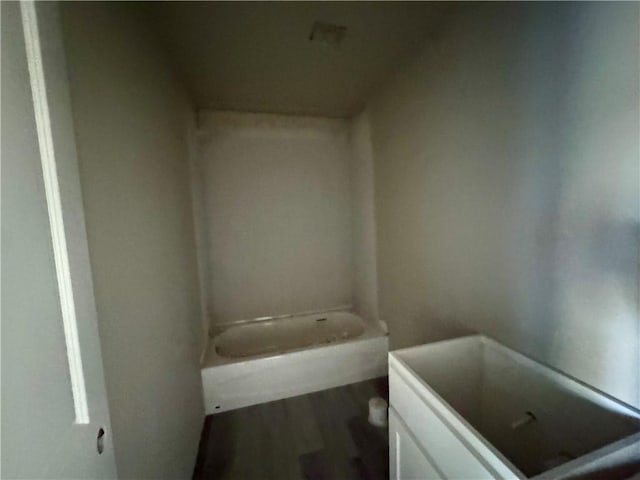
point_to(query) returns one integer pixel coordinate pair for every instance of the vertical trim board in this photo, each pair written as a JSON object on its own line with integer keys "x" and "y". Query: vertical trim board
{"x": 54, "y": 208}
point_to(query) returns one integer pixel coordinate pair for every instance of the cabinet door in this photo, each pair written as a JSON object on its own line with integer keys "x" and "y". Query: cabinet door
{"x": 406, "y": 460}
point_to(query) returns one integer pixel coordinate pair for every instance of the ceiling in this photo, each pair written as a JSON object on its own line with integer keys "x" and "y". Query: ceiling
{"x": 257, "y": 56}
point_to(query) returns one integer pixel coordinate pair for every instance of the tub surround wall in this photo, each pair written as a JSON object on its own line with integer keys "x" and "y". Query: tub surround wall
{"x": 278, "y": 213}
{"x": 507, "y": 169}
{"x": 196, "y": 178}
{"x": 365, "y": 276}
{"x": 130, "y": 120}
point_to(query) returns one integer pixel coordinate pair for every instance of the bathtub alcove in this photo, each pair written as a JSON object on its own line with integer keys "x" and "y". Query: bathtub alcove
{"x": 285, "y": 227}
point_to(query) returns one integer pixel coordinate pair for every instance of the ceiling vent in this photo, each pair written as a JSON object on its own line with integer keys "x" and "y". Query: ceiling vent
{"x": 327, "y": 33}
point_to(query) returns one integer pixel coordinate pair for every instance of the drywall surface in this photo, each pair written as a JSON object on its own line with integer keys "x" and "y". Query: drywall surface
{"x": 365, "y": 278}
{"x": 39, "y": 436}
{"x": 258, "y": 57}
{"x": 507, "y": 187}
{"x": 130, "y": 120}
{"x": 278, "y": 210}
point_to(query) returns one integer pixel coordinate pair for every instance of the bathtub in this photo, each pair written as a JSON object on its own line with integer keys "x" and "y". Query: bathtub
{"x": 287, "y": 333}
{"x": 268, "y": 359}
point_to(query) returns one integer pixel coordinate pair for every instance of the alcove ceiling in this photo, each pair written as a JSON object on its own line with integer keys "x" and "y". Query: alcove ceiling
{"x": 258, "y": 56}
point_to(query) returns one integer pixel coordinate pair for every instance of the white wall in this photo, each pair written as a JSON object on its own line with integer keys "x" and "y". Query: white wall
{"x": 278, "y": 213}
{"x": 365, "y": 275}
{"x": 131, "y": 121}
{"x": 38, "y": 435}
{"x": 507, "y": 187}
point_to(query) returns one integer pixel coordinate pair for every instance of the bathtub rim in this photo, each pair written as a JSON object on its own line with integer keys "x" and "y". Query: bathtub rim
{"x": 217, "y": 328}
{"x": 211, "y": 358}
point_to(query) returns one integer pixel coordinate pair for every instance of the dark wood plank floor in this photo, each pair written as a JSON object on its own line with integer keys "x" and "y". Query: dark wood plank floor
{"x": 319, "y": 436}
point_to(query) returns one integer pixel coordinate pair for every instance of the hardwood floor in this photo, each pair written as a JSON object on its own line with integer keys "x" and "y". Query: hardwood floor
{"x": 319, "y": 436}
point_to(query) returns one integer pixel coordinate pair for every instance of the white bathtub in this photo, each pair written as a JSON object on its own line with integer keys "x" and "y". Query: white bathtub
{"x": 269, "y": 359}
{"x": 287, "y": 333}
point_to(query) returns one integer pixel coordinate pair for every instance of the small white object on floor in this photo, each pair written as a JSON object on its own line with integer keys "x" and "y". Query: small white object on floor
{"x": 378, "y": 412}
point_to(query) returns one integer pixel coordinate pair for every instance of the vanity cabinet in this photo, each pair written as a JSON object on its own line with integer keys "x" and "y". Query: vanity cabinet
{"x": 471, "y": 408}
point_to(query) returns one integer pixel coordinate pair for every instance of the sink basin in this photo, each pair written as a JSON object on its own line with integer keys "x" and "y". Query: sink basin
{"x": 519, "y": 417}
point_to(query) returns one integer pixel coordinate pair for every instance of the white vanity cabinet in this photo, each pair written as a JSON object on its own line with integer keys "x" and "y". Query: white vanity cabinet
{"x": 471, "y": 408}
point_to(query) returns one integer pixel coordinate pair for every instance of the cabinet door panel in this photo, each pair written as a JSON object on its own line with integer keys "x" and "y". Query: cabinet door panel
{"x": 407, "y": 460}
{"x": 452, "y": 456}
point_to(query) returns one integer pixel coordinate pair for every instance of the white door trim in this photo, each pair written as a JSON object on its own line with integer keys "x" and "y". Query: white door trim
{"x": 54, "y": 207}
